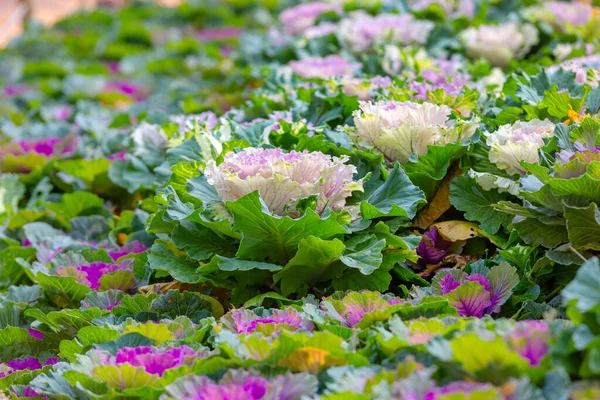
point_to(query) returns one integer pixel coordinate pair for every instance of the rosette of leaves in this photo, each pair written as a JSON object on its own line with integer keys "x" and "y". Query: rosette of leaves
{"x": 560, "y": 201}
{"x": 557, "y": 166}
{"x": 483, "y": 291}
{"x": 427, "y": 139}
{"x": 242, "y": 244}
{"x": 68, "y": 269}
{"x": 346, "y": 313}
{"x": 295, "y": 351}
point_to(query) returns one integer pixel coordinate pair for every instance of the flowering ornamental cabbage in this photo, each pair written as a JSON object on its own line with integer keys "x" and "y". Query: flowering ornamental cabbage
{"x": 530, "y": 339}
{"x": 52, "y": 146}
{"x": 476, "y": 294}
{"x": 106, "y": 300}
{"x": 282, "y": 179}
{"x": 359, "y": 32}
{"x": 26, "y": 392}
{"x": 26, "y": 155}
{"x": 20, "y": 364}
{"x": 91, "y": 274}
{"x": 587, "y": 69}
{"x": 133, "y": 247}
{"x": 323, "y": 29}
{"x": 242, "y": 320}
{"x": 148, "y": 137}
{"x": 432, "y": 248}
{"x": 153, "y": 360}
{"x": 14, "y": 91}
{"x": 186, "y": 123}
{"x": 127, "y": 88}
{"x": 512, "y": 144}
{"x": 574, "y": 163}
{"x": 58, "y": 113}
{"x": 363, "y": 87}
{"x": 243, "y": 385}
{"x": 298, "y": 19}
{"x": 564, "y": 16}
{"x": 443, "y": 74}
{"x": 352, "y": 308}
{"x": 464, "y": 388}
{"x": 398, "y": 130}
{"x": 499, "y": 44}
{"x": 323, "y": 68}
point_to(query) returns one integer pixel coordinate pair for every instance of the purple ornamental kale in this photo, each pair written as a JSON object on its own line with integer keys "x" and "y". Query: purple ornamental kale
{"x": 153, "y": 360}
{"x": 353, "y": 307}
{"x": 445, "y": 74}
{"x": 298, "y": 19}
{"x": 323, "y": 68}
{"x": 574, "y": 163}
{"x": 52, "y": 146}
{"x": 530, "y": 339}
{"x": 27, "y": 392}
{"x": 243, "y": 385}
{"x": 459, "y": 387}
{"x": 133, "y": 247}
{"x": 14, "y": 91}
{"x": 245, "y": 321}
{"x": 361, "y": 31}
{"x": 476, "y": 294}
{"x": 20, "y": 364}
{"x": 90, "y": 274}
{"x": 127, "y": 88}
{"x": 432, "y": 248}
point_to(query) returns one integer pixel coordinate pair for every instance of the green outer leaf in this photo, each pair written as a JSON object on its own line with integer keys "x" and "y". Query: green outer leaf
{"x": 268, "y": 237}
{"x": 86, "y": 170}
{"x": 478, "y": 204}
{"x": 311, "y": 261}
{"x": 10, "y": 270}
{"x": 593, "y": 101}
{"x": 233, "y": 264}
{"x": 584, "y": 290}
{"x": 503, "y": 279}
{"x": 364, "y": 253}
{"x": 89, "y": 335}
{"x": 11, "y": 192}
{"x": 428, "y": 307}
{"x": 536, "y": 233}
{"x": 258, "y": 301}
{"x": 508, "y": 115}
{"x": 583, "y": 226}
{"x": 62, "y": 290}
{"x": 161, "y": 259}
{"x": 396, "y": 197}
{"x": 354, "y": 280}
{"x": 73, "y": 204}
{"x": 200, "y": 242}
{"x": 435, "y": 163}
{"x": 476, "y": 354}
{"x": 586, "y": 185}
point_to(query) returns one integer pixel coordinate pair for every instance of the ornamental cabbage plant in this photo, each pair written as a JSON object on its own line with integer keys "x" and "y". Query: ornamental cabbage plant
{"x": 512, "y": 144}
{"x": 361, "y": 31}
{"x": 499, "y": 44}
{"x": 283, "y": 179}
{"x": 400, "y": 129}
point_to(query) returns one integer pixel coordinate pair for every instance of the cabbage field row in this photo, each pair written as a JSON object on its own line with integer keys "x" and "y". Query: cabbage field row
{"x": 344, "y": 199}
